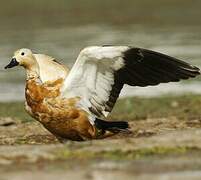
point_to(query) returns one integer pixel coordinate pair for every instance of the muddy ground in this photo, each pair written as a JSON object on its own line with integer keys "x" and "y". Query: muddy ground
{"x": 159, "y": 148}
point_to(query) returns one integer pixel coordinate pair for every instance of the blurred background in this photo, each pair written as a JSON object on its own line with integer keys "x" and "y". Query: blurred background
{"x": 62, "y": 28}
{"x": 165, "y": 139}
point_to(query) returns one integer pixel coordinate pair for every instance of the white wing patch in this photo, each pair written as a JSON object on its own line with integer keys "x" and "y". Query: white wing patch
{"x": 92, "y": 77}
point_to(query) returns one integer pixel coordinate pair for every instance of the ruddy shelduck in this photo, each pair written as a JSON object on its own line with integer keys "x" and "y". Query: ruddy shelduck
{"x": 74, "y": 104}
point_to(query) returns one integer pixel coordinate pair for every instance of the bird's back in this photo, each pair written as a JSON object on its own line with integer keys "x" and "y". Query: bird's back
{"x": 50, "y": 69}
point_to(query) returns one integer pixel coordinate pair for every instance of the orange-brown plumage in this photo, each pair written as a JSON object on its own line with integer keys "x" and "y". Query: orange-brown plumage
{"x": 60, "y": 116}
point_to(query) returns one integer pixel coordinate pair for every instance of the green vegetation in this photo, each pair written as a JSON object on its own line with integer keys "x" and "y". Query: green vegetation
{"x": 134, "y": 108}
{"x": 14, "y": 110}
{"x": 62, "y": 12}
{"x": 66, "y": 153}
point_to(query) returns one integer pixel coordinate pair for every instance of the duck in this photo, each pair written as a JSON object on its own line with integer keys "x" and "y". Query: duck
{"x": 74, "y": 104}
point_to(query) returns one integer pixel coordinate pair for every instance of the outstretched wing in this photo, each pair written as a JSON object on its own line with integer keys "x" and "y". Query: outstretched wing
{"x": 99, "y": 74}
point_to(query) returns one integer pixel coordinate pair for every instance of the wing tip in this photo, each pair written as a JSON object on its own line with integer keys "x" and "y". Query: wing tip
{"x": 152, "y": 68}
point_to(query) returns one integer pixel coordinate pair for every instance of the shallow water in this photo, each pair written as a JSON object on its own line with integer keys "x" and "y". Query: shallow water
{"x": 64, "y": 39}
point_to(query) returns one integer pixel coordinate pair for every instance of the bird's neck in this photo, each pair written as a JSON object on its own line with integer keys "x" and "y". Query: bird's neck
{"x": 33, "y": 71}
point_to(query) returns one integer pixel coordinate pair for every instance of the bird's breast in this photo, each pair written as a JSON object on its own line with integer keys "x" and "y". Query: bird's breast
{"x": 37, "y": 94}
{"x": 61, "y": 116}
{"x": 43, "y": 101}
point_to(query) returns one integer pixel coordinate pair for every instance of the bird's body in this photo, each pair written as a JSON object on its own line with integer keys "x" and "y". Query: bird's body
{"x": 59, "y": 115}
{"x": 71, "y": 105}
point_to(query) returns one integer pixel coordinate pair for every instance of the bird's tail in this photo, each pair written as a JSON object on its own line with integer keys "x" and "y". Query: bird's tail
{"x": 112, "y": 126}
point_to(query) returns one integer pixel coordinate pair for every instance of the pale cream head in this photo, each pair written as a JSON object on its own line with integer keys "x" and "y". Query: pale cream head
{"x": 38, "y": 65}
{"x": 25, "y": 58}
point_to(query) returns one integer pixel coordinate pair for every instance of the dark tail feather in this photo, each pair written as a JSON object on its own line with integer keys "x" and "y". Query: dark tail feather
{"x": 113, "y": 126}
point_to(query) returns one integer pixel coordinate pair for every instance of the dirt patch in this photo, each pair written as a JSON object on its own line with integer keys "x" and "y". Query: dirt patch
{"x": 17, "y": 132}
{"x": 25, "y": 133}
{"x": 156, "y": 148}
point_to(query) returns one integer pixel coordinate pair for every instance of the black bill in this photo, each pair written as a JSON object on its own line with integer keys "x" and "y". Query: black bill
{"x": 12, "y": 63}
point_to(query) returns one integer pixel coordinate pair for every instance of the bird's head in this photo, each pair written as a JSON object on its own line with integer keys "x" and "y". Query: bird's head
{"x": 23, "y": 57}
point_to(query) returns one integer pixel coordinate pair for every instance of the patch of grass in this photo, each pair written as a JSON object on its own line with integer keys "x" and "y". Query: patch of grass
{"x": 134, "y": 108}
{"x": 137, "y": 154}
{"x": 122, "y": 155}
{"x": 78, "y": 12}
{"x": 14, "y": 110}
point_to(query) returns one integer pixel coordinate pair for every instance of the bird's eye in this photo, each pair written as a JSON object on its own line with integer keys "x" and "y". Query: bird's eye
{"x": 22, "y": 53}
